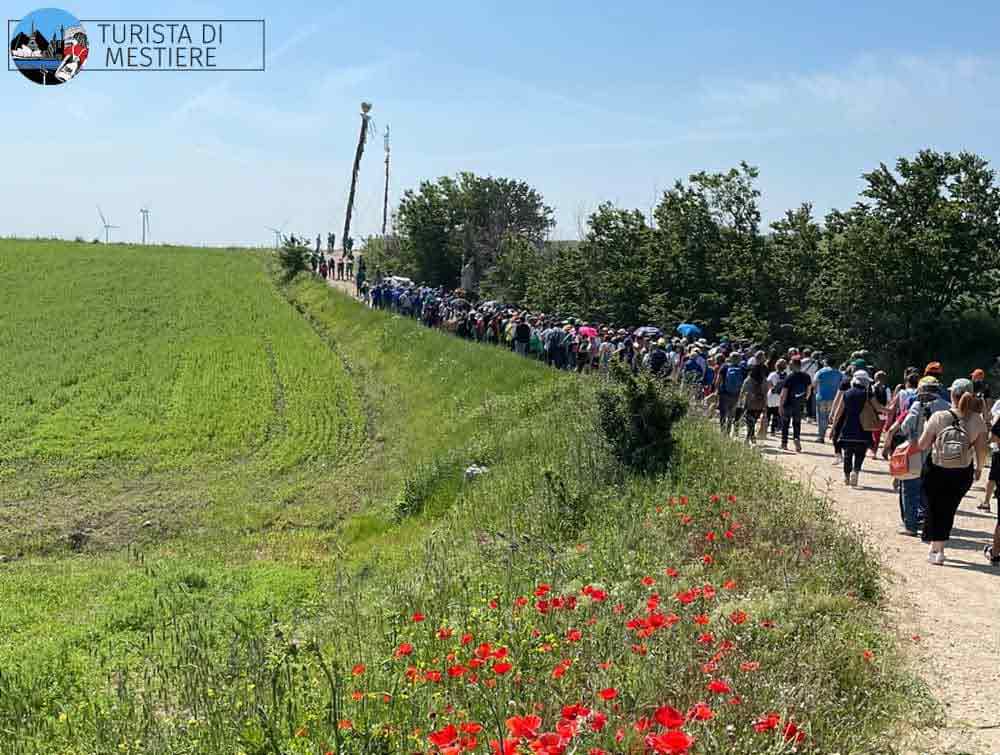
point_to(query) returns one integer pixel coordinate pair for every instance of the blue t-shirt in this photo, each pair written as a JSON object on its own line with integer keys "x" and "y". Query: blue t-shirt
{"x": 828, "y": 382}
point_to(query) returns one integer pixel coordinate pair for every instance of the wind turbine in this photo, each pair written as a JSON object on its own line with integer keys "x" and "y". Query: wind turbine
{"x": 107, "y": 226}
{"x": 278, "y": 233}
{"x": 145, "y": 221}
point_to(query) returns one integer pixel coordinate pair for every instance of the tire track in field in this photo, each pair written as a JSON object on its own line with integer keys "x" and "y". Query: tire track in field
{"x": 279, "y": 421}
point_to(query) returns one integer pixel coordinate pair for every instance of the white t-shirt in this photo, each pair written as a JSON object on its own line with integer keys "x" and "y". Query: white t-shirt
{"x": 774, "y": 399}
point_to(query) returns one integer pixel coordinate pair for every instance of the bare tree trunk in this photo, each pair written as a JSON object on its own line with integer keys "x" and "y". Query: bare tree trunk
{"x": 362, "y": 137}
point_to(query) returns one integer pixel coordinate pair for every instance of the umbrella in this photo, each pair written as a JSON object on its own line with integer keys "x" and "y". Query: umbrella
{"x": 648, "y": 331}
{"x": 688, "y": 330}
{"x": 588, "y": 332}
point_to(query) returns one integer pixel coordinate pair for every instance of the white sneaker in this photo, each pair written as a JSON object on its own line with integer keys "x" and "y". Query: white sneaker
{"x": 939, "y": 558}
{"x": 931, "y": 557}
{"x": 854, "y": 479}
{"x": 838, "y": 460}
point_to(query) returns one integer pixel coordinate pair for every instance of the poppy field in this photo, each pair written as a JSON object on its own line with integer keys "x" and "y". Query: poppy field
{"x": 558, "y": 603}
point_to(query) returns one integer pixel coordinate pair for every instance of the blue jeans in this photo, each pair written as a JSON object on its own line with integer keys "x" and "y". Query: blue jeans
{"x": 823, "y": 409}
{"x": 911, "y": 502}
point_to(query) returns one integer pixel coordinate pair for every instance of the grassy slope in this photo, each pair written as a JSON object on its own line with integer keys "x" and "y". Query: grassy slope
{"x": 198, "y": 626}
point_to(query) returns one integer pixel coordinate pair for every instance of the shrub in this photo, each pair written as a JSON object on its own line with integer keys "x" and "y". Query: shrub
{"x": 637, "y": 414}
{"x": 294, "y": 257}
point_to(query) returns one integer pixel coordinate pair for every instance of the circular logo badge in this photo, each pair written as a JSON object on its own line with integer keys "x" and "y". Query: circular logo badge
{"x": 49, "y": 46}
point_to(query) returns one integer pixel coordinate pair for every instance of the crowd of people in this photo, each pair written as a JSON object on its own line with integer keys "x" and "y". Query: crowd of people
{"x": 937, "y": 435}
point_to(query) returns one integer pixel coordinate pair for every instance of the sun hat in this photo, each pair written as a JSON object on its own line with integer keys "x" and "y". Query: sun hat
{"x": 978, "y": 374}
{"x": 928, "y": 381}
{"x": 961, "y": 386}
{"x": 861, "y": 378}
{"x": 934, "y": 368}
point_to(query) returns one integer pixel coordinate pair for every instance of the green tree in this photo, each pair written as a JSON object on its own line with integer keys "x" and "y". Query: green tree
{"x": 923, "y": 250}
{"x": 455, "y": 221}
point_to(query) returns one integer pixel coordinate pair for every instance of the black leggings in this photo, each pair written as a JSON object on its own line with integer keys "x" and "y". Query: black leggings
{"x": 945, "y": 490}
{"x": 854, "y": 456}
{"x": 752, "y": 417}
{"x": 774, "y": 418}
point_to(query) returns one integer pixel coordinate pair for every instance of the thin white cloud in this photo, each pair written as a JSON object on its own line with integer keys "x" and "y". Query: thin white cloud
{"x": 871, "y": 90}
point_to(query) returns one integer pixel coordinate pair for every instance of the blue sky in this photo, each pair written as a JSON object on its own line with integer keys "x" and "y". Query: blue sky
{"x": 586, "y": 101}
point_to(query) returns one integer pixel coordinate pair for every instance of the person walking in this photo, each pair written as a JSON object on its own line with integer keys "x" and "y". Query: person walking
{"x": 753, "y": 400}
{"x": 924, "y": 405}
{"x": 883, "y": 395}
{"x": 850, "y": 434}
{"x": 776, "y": 382}
{"x": 825, "y": 386}
{"x": 957, "y": 441}
{"x": 730, "y": 383}
{"x": 992, "y": 552}
{"x": 793, "y": 397}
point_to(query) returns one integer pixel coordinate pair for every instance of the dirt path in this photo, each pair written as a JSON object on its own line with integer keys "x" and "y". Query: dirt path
{"x": 953, "y": 611}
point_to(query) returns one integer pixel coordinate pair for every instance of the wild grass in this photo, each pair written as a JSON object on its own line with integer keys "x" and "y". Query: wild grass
{"x": 286, "y": 631}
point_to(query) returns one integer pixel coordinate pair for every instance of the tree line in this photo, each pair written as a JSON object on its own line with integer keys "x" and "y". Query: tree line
{"x": 918, "y": 251}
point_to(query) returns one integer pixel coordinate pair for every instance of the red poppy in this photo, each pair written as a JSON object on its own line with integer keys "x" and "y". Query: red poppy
{"x": 432, "y": 676}
{"x": 357, "y": 695}
{"x": 403, "y": 650}
{"x": 648, "y": 581}
{"x": 520, "y": 601}
{"x": 710, "y": 537}
{"x": 672, "y": 572}
{"x": 738, "y": 617}
{"x": 701, "y": 619}
{"x": 793, "y": 733}
{"x": 570, "y": 712}
{"x": 670, "y": 743}
{"x": 466, "y": 639}
{"x": 714, "y": 499}
{"x": 444, "y": 737}
{"x": 417, "y": 618}
{"x": 701, "y": 712}
{"x": 444, "y": 633}
{"x": 508, "y": 747}
{"x": 542, "y": 590}
{"x": 750, "y": 666}
{"x": 494, "y": 604}
{"x": 719, "y": 687}
{"x": 456, "y": 671}
{"x": 471, "y": 728}
{"x": 707, "y": 560}
{"x": 502, "y": 668}
{"x": 729, "y": 584}
{"x": 610, "y": 693}
{"x": 358, "y": 669}
{"x": 598, "y": 721}
{"x": 574, "y": 635}
{"x": 868, "y": 655}
{"x": 706, "y": 639}
{"x": 669, "y": 718}
{"x": 344, "y": 724}
{"x": 524, "y": 727}
{"x": 769, "y": 722}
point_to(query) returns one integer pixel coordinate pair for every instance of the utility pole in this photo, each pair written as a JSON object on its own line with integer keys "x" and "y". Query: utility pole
{"x": 385, "y": 201}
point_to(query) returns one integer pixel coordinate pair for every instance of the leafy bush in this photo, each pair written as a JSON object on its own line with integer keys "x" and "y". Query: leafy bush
{"x": 637, "y": 414}
{"x": 294, "y": 257}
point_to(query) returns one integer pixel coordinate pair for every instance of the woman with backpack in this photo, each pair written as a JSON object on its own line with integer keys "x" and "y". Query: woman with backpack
{"x": 852, "y": 424}
{"x": 753, "y": 400}
{"x": 957, "y": 440}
